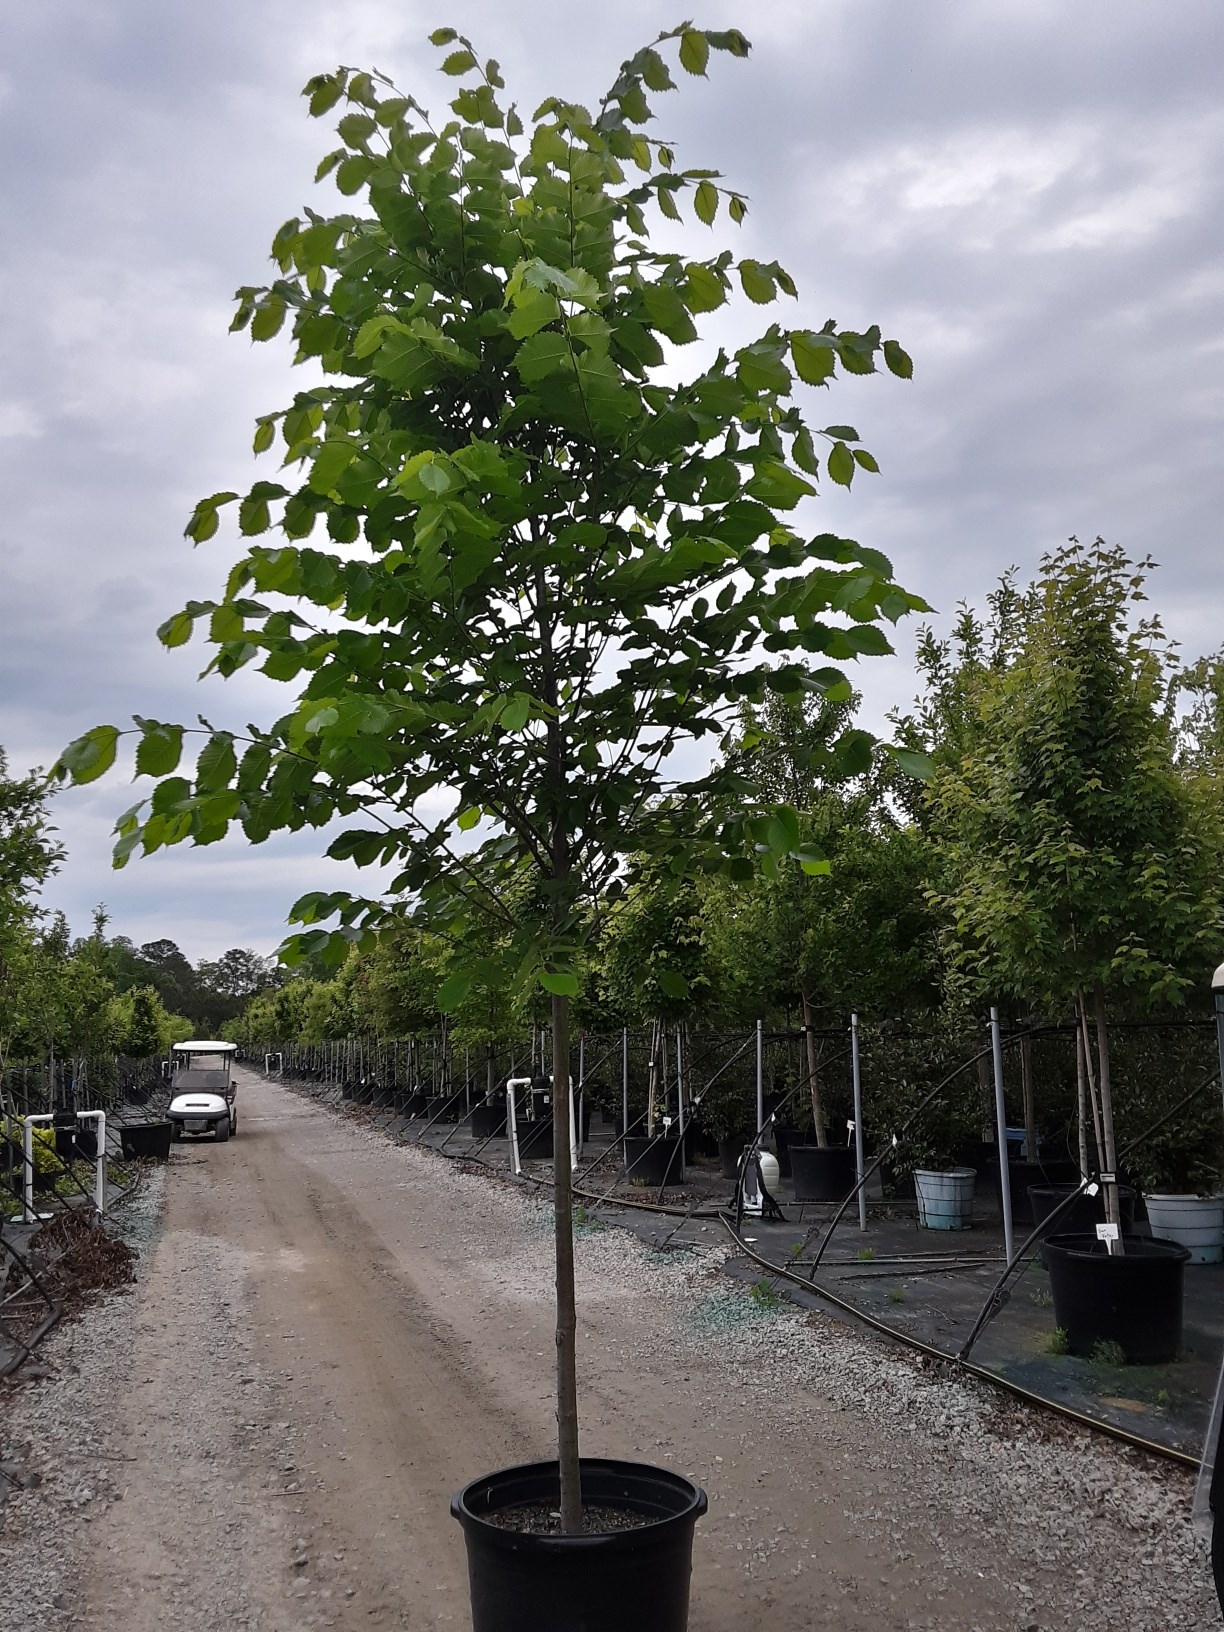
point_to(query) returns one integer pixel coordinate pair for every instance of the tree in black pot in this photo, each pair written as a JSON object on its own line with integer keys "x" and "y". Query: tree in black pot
{"x": 569, "y": 564}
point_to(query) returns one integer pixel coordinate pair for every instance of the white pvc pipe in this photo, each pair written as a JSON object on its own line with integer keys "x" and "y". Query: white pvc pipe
{"x": 27, "y": 1145}
{"x": 581, "y": 1094}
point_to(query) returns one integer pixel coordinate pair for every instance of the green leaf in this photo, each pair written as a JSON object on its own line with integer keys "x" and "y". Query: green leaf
{"x": 516, "y": 712}
{"x": 758, "y": 283}
{"x": 269, "y": 318}
{"x": 559, "y": 984}
{"x": 443, "y": 36}
{"x": 352, "y": 175}
{"x": 176, "y": 631}
{"x": 672, "y": 984}
{"x": 468, "y": 819}
{"x": 694, "y": 51}
{"x": 911, "y": 762}
{"x": 846, "y": 433}
{"x": 265, "y": 435}
{"x": 324, "y": 91}
{"x": 458, "y": 63}
{"x": 813, "y": 356}
{"x": 159, "y": 749}
{"x": 542, "y": 355}
{"x": 704, "y": 291}
{"x": 533, "y": 310}
{"x": 840, "y": 464}
{"x": 866, "y": 461}
{"x": 454, "y": 989}
{"x": 706, "y": 202}
{"x": 330, "y": 463}
{"x": 737, "y": 209}
{"x": 898, "y": 361}
{"x": 92, "y": 755}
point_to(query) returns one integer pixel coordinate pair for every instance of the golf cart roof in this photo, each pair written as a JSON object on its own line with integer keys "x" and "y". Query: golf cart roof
{"x": 205, "y": 1048}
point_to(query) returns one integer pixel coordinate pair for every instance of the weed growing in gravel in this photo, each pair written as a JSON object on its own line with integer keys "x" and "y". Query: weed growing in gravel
{"x": 766, "y": 1296}
{"x": 585, "y": 1221}
{"x": 1042, "y": 1299}
{"x": 1108, "y": 1353}
{"x": 866, "y": 1256}
{"x": 897, "y": 1295}
{"x": 1057, "y": 1342}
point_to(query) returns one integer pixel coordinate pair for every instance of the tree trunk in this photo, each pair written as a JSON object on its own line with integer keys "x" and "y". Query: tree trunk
{"x": 567, "y": 1320}
{"x": 1081, "y": 1100}
{"x": 809, "y": 1038}
{"x": 1109, "y": 1156}
{"x": 1026, "y": 1091}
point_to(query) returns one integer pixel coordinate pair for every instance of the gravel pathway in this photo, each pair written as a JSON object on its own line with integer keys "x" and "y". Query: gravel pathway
{"x": 334, "y": 1331}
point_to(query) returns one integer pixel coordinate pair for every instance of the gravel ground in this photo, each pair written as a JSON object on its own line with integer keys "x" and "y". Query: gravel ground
{"x": 65, "y": 1468}
{"x": 851, "y": 1486}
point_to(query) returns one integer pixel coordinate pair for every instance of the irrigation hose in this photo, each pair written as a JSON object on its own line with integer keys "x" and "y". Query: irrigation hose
{"x": 1123, "y": 1435}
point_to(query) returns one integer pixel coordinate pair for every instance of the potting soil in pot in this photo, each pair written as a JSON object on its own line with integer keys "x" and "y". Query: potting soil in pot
{"x": 541, "y": 1519}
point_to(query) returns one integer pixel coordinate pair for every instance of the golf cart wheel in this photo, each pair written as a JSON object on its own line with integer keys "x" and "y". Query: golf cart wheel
{"x": 223, "y": 1130}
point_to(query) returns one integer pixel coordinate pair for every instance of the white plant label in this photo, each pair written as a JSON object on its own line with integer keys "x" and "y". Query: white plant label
{"x": 1107, "y": 1232}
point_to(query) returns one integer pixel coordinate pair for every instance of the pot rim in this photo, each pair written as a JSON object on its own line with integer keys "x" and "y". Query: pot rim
{"x": 695, "y": 1504}
{"x": 1082, "y": 1248}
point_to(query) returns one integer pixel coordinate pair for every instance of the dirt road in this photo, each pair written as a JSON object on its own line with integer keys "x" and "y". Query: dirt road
{"x": 335, "y": 1333}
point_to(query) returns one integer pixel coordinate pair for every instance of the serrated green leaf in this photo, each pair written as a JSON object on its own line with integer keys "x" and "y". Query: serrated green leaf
{"x": 458, "y": 63}
{"x": 705, "y": 202}
{"x": 737, "y": 209}
{"x": 813, "y": 356}
{"x": 866, "y": 461}
{"x": 268, "y": 319}
{"x": 516, "y": 712}
{"x": 353, "y": 173}
{"x": 159, "y": 749}
{"x": 704, "y": 291}
{"x": 92, "y": 755}
{"x": 176, "y": 631}
{"x": 265, "y": 435}
{"x": 840, "y": 464}
{"x": 758, "y": 282}
{"x": 541, "y": 355}
{"x": 694, "y": 51}
{"x": 443, "y": 36}
{"x": 672, "y": 984}
{"x": 898, "y": 361}
{"x": 468, "y": 819}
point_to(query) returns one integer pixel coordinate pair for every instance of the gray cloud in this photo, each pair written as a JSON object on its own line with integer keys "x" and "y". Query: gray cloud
{"x": 1027, "y": 194}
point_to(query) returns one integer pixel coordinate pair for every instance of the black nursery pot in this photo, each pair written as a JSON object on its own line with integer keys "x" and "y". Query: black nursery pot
{"x": 412, "y": 1104}
{"x": 822, "y": 1175}
{"x": 535, "y": 1138}
{"x": 1087, "y": 1212}
{"x": 1133, "y": 1298}
{"x": 729, "y": 1153}
{"x": 652, "y": 1161}
{"x": 145, "y": 1139}
{"x": 489, "y": 1121}
{"x": 608, "y": 1582}
{"x": 783, "y": 1138}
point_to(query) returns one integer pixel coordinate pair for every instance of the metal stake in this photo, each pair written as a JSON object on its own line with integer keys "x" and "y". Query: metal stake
{"x": 996, "y": 1046}
{"x": 858, "y": 1121}
{"x": 760, "y": 1075}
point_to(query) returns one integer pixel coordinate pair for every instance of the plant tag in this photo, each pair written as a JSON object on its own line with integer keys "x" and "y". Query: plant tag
{"x": 895, "y": 1141}
{"x": 850, "y": 1125}
{"x": 1109, "y": 1178}
{"x": 1092, "y": 1189}
{"x": 1107, "y": 1233}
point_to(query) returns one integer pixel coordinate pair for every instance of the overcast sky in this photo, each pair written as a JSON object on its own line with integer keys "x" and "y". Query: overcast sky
{"x": 1026, "y": 194}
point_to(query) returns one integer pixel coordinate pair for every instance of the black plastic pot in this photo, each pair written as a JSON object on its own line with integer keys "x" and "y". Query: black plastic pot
{"x": 1025, "y": 1176}
{"x": 145, "y": 1139}
{"x": 489, "y": 1121}
{"x": 1087, "y": 1212}
{"x": 729, "y": 1153}
{"x": 653, "y": 1161}
{"x": 535, "y": 1138}
{"x": 1132, "y": 1298}
{"x": 783, "y": 1138}
{"x": 411, "y": 1104}
{"x": 621, "y": 1579}
{"x": 442, "y": 1108}
{"x": 822, "y": 1175}
{"x": 137, "y": 1095}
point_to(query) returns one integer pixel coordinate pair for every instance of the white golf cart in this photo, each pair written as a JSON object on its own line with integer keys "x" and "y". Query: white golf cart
{"x": 203, "y": 1093}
